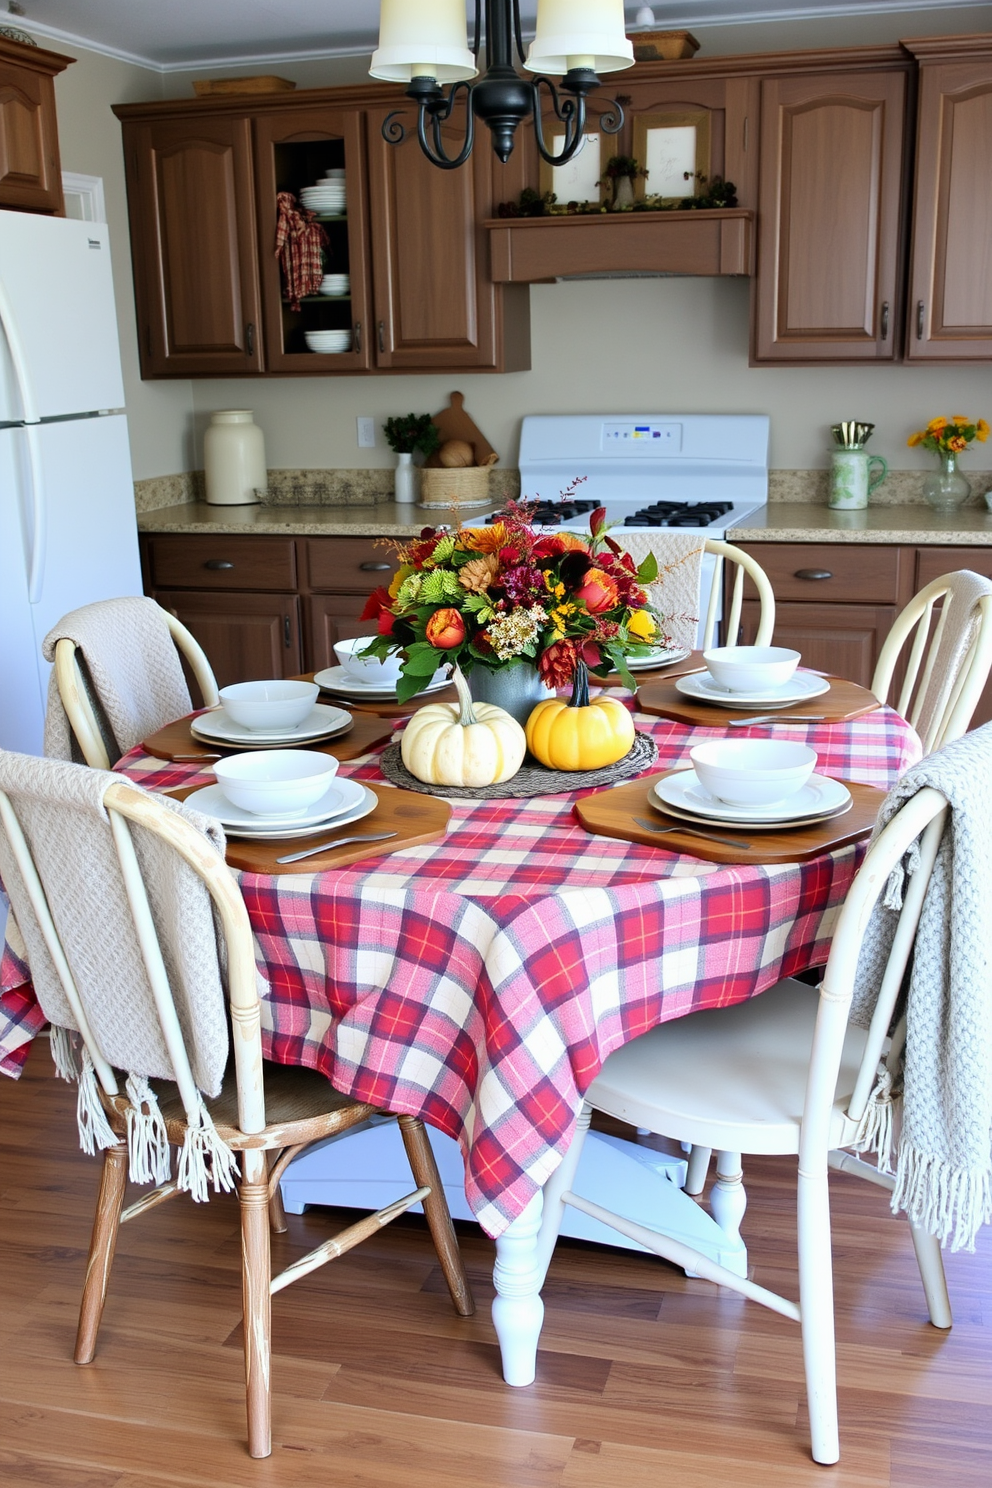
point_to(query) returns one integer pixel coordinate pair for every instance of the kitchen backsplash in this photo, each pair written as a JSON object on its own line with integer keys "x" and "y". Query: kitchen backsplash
{"x": 370, "y": 487}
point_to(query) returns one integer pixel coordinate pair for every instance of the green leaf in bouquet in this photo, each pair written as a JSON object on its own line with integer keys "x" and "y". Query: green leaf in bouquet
{"x": 647, "y": 571}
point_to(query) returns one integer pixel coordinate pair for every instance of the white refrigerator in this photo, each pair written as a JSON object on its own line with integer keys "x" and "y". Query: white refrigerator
{"x": 68, "y": 534}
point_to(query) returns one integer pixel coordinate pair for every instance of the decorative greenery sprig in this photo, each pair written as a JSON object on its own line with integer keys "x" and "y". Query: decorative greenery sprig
{"x": 412, "y": 431}
{"x": 622, "y": 165}
{"x": 950, "y": 435}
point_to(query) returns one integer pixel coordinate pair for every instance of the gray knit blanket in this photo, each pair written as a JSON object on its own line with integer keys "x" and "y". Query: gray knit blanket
{"x": 130, "y": 669}
{"x": 943, "y": 1161}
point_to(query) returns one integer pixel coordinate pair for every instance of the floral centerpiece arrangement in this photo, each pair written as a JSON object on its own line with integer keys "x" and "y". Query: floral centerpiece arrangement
{"x": 947, "y": 438}
{"x": 508, "y": 596}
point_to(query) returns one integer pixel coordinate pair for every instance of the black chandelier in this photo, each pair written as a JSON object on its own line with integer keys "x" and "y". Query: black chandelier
{"x": 424, "y": 44}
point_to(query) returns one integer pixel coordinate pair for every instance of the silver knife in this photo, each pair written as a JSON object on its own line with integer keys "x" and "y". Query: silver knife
{"x": 340, "y": 842}
{"x": 642, "y": 821}
{"x": 777, "y": 718}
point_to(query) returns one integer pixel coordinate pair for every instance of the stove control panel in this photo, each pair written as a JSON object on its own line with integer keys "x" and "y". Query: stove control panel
{"x": 652, "y": 437}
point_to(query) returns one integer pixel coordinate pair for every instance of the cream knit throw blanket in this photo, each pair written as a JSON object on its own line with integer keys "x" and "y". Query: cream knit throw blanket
{"x": 675, "y": 592}
{"x": 60, "y": 810}
{"x": 944, "y": 1151}
{"x": 130, "y": 669}
{"x": 961, "y": 618}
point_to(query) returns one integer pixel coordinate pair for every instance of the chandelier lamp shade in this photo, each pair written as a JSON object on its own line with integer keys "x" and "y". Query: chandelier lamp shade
{"x": 424, "y": 44}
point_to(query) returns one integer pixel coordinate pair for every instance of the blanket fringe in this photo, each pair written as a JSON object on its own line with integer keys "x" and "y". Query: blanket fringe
{"x": 149, "y": 1157}
{"x": 951, "y": 1203}
{"x": 202, "y": 1141}
{"x": 63, "y": 1048}
{"x": 875, "y": 1128}
{"x": 94, "y": 1128}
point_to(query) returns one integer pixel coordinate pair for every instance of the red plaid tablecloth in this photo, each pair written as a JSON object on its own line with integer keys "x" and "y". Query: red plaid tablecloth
{"x": 480, "y": 982}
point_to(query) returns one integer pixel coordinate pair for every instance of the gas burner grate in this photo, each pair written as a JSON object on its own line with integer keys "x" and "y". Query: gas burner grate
{"x": 550, "y": 513}
{"x": 679, "y": 514}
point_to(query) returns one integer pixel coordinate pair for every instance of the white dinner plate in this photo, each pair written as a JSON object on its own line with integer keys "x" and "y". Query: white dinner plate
{"x": 367, "y": 804}
{"x": 659, "y": 658}
{"x": 802, "y": 687}
{"x": 820, "y": 798}
{"x": 339, "y": 679}
{"x": 340, "y": 797}
{"x": 322, "y": 721}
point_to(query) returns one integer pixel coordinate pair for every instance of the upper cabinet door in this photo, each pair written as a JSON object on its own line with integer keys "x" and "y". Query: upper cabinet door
{"x": 192, "y": 209}
{"x": 30, "y": 179}
{"x": 950, "y": 295}
{"x": 435, "y": 303}
{"x": 830, "y": 192}
{"x": 294, "y": 149}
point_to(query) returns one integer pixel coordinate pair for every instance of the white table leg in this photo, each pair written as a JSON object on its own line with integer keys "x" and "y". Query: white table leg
{"x": 518, "y": 1312}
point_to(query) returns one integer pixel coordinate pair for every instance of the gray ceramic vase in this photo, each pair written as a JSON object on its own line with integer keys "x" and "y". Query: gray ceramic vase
{"x": 516, "y": 689}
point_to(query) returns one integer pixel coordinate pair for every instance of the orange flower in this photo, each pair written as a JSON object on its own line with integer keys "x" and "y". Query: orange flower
{"x": 981, "y": 431}
{"x": 483, "y": 539}
{"x": 959, "y": 418}
{"x": 936, "y": 425}
{"x": 915, "y": 439}
{"x": 445, "y": 629}
{"x": 571, "y": 542}
{"x": 598, "y": 592}
{"x": 957, "y": 444}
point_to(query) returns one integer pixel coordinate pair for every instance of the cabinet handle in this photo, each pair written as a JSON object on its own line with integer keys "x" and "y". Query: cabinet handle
{"x": 374, "y": 567}
{"x": 382, "y": 335}
{"x": 250, "y": 339}
{"x": 358, "y": 335}
{"x": 218, "y": 563}
{"x": 919, "y": 320}
{"x": 885, "y": 320}
{"x": 287, "y": 630}
{"x": 813, "y": 573}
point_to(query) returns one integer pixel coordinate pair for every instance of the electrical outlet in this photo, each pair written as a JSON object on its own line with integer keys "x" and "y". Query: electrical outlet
{"x": 366, "y": 433}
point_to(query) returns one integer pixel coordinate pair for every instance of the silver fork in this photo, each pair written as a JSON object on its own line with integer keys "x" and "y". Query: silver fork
{"x": 776, "y": 718}
{"x": 339, "y": 842}
{"x": 642, "y": 821}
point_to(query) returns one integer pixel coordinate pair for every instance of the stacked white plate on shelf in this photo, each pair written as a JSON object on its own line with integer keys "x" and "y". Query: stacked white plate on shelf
{"x": 344, "y": 801}
{"x": 339, "y": 680}
{"x": 322, "y": 722}
{"x": 337, "y": 286}
{"x": 328, "y": 198}
{"x": 328, "y": 342}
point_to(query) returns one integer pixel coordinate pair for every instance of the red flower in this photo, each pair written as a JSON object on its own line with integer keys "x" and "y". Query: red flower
{"x": 598, "y": 592}
{"x": 386, "y": 621}
{"x": 557, "y": 664}
{"x": 377, "y": 601}
{"x": 445, "y": 629}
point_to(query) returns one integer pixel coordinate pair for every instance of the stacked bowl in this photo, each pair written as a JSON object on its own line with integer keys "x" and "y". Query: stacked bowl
{"x": 326, "y": 342}
{"x": 336, "y": 285}
{"x": 328, "y": 197}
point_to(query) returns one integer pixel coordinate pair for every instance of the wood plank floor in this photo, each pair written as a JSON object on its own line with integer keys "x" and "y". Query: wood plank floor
{"x": 646, "y": 1379}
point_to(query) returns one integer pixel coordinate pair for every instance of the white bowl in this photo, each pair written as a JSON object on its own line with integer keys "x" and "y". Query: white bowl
{"x": 276, "y": 782}
{"x": 315, "y": 344}
{"x": 751, "y": 668}
{"x": 752, "y": 772}
{"x": 337, "y": 174}
{"x": 368, "y": 669}
{"x": 269, "y": 705}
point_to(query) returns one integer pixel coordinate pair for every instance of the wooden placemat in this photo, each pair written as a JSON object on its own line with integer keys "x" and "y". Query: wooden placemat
{"x": 415, "y": 819}
{"x": 844, "y": 701}
{"x": 176, "y": 742}
{"x": 691, "y": 663}
{"x": 531, "y": 779}
{"x": 612, "y": 814}
{"x": 389, "y": 707}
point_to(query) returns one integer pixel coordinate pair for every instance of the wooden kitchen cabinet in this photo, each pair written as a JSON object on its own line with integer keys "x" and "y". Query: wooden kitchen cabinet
{"x": 950, "y": 278}
{"x": 832, "y": 169}
{"x": 246, "y": 636}
{"x": 193, "y": 244}
{"x": 340, "y": 574}
{"x": 30, "y": 173}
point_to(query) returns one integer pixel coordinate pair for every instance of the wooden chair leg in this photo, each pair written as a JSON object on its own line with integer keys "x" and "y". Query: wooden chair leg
{"x": 697, "y": 1169}
{"x": 931, "y": 1266}
{"x": 277, "y": 1214}
{"x": 256, "y": 1276}
{"x": 103, "y": 1243}
{"x": 426, "y": 1175}
{"x": 816, "y": 1305}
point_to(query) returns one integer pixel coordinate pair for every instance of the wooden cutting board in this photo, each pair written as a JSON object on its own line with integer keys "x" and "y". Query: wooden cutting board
{"x": 611, "y": 813}
{"x": 844, "y": 701}
{"x": 691, "y": 663}
{"x": 454, "y": 423}
{"x": 176, "y": 742}
{"x": 415, "y": 819}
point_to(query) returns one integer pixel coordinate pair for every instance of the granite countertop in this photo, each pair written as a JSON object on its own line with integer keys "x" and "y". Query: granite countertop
{"x": 780, "y": 521}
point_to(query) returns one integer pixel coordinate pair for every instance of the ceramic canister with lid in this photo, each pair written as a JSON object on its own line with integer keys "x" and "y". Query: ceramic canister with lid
{"x": 234, "y": 458}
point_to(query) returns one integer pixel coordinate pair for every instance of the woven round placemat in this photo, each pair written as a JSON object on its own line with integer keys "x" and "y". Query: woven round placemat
{"x": 531, "y": 779}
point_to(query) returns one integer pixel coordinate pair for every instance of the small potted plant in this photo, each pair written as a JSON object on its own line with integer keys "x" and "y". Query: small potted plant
{"x": 620, "y": 174}
{"x": 947, "y": 438}
{"x": 406, "y": 435}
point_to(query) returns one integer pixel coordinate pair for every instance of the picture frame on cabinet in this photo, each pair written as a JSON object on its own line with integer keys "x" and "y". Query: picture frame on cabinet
{"x": 579, "y": 180}
{"x": 675, "y": 150}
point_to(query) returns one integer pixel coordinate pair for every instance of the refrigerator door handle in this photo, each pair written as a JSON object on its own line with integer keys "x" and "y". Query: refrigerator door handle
{"x": 39, "y": 515}
{"x": 18, "y": 360}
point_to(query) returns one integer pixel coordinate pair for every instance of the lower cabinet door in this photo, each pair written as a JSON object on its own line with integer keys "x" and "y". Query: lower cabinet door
{"x": 333, "y": 617}
{"x": 843, "y": 639}
{"x": 246, "y": 636}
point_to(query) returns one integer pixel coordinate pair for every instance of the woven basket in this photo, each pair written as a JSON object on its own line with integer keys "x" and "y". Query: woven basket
{"x": 468, "y": 485}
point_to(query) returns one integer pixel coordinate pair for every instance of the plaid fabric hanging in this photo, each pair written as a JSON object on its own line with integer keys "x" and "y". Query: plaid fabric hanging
{"x": 299, "y": 240}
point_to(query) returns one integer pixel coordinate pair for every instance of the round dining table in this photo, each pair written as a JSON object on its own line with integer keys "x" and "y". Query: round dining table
{"x": 480, "y": 981}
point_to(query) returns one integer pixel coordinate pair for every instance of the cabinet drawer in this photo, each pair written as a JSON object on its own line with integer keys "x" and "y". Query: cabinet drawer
{"x": 931, "y": 563}
{"x": 222, "y": 562}
{"x": 356, "y": 564}
{"x": 825, "y": 573}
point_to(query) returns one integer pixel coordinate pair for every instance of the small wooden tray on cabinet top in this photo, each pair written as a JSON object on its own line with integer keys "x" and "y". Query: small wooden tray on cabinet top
{"x": 844, "y": 701}
{"x": 613, "y": 813}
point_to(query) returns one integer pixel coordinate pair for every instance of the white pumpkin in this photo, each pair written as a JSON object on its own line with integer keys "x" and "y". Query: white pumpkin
{"x": 463, "y": 743}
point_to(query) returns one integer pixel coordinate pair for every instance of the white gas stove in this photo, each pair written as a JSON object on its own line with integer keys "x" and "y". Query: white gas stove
{"x": 698, "y": 472}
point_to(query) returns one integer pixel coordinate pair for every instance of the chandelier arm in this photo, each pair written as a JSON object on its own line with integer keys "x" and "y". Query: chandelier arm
{"x": 393, "y": 131}
{"x": 570, "y": 111}
{"x": 611, "y": 120}
{"x": 518, "y": 35}
{"x": 439, "y": 112}
{"x": 477, "y": 39}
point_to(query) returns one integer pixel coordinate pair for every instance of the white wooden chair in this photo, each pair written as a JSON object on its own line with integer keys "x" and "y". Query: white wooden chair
{"x": 76, "y": 692}
{"x": 782, "y": 1073}
{"x": 725, "y": 552}
{"x": 939, "y": 706}
{"x": 263, "y": 1111}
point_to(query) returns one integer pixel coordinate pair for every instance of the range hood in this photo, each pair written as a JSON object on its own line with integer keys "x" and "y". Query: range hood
{"x": 535, "y": 250}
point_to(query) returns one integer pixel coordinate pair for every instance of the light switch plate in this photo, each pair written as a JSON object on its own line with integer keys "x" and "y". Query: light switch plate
{"x": 366, "y": 433}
